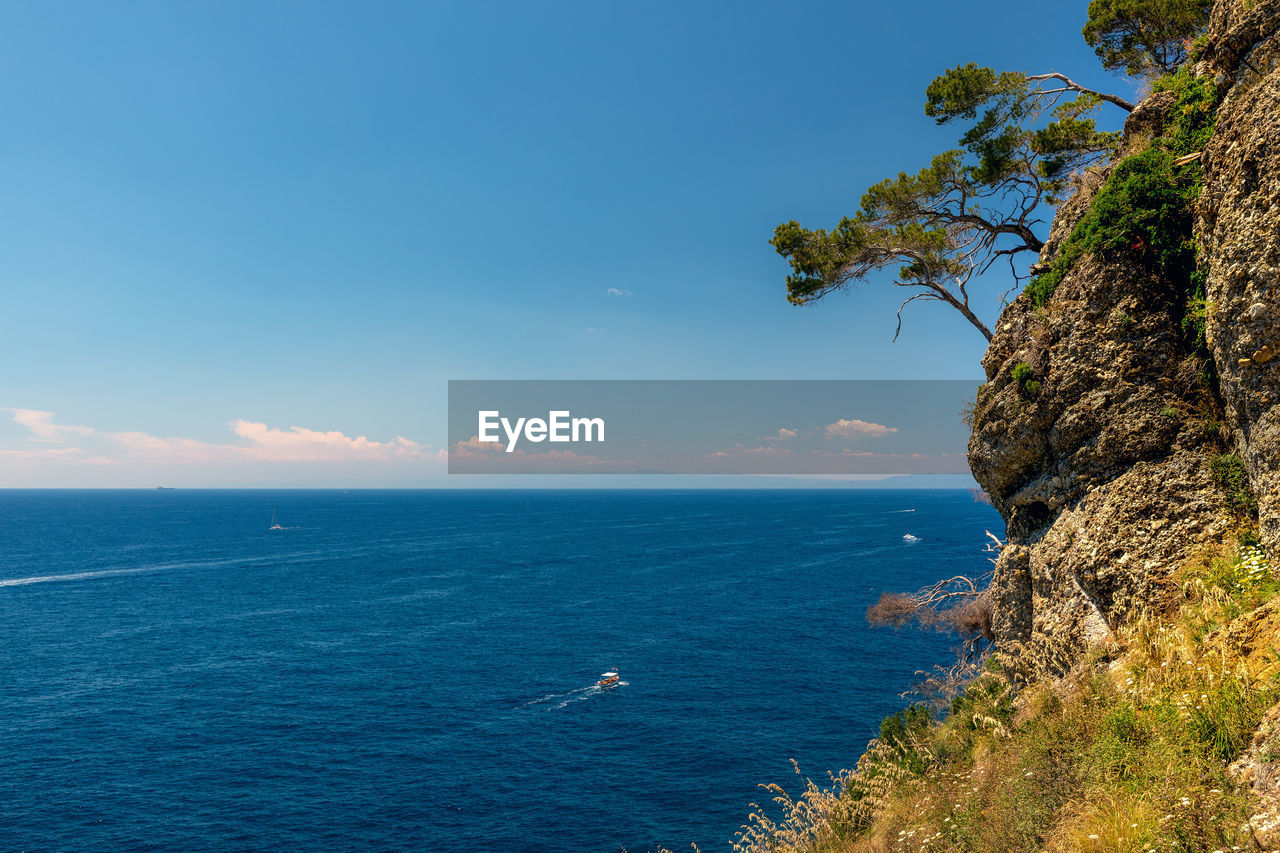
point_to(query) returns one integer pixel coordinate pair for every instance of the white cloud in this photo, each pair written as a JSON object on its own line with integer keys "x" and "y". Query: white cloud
{"x": 257, "y": 442}
{"x": 617, "y": 291}
{"x": 782, "y": 435}
{"x": 177, "y": 449}
{"x": 474, "y": 446}
{"x": 854, "y": 428}
{"x": 51, "y": 453}
{"x": 43, "y": 428}
{"x": 299, "y": 444}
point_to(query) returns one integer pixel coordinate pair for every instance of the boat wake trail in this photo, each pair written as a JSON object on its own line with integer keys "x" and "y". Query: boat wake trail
{"x": 556, "y": 701}
{"x": 273, "y": 560}
{"x": 79, "y": 576}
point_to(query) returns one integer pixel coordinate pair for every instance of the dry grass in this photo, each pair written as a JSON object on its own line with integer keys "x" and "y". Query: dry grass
{"x": 1129, "y": 755}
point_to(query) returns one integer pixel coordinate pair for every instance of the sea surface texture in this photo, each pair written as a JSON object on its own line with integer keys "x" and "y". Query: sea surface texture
{"x": 415, "y": 670}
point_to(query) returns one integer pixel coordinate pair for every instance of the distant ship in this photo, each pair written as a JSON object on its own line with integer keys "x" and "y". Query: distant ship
{"x": 907, "y": 537}
{"x": 608, "y": 679}
{"x": 275, "y": 525}
{"x": 164, "y": 488}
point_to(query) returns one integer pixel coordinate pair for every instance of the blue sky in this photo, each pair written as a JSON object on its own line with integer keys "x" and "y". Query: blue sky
{"x": 312, "y": 215}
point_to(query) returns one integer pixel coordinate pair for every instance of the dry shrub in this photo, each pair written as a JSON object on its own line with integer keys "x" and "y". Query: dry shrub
{"x": 972, "y": 618}
{"x": 893, "y": 608}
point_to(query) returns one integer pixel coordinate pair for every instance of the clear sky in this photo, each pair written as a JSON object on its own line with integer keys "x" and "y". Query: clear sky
{"x": 236, "y": 237}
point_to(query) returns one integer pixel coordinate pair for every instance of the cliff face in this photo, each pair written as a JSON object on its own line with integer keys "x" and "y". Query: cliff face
{"x": 1097, "y": 432}
{"x": 1239, "y": 231}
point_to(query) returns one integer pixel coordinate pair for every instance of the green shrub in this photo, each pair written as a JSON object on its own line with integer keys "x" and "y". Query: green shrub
{"x": 1191, "y": 121}
{"x": 903, "y": 731}
{"x": 989, "y": 695}
{"x": 1227, "y": 715}
{"x": 1234, "y": 480}
{"x": 1024, "y": 376}
{"x": 1145, "y": 206}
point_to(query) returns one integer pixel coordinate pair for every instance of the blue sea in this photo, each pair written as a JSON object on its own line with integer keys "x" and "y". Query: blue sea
{"x": 415, "y": 670}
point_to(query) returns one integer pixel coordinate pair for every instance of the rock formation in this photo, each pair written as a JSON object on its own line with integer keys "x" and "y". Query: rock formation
{"x": 1097, "y": 431}
{"x": 1239, "y": 233}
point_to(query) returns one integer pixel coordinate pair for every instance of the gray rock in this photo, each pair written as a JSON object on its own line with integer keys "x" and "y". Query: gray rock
{"x": 1237, "y": 225}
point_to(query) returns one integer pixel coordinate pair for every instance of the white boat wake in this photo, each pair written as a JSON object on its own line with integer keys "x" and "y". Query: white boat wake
{"x": 79, "y": 576}
{"x": 556, "y": 701}
{"x": 161, "y": 567}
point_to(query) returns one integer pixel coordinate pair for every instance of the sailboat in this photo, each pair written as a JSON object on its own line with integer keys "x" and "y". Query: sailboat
{"x": 275, "y": 525}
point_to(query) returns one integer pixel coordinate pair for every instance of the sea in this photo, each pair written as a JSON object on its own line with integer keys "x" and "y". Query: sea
{"x": 415, "y": 670}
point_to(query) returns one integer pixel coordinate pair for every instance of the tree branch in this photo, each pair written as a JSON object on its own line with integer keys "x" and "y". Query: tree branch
{"x": 905, "y": 304}
{"x": 1072, "y": 86}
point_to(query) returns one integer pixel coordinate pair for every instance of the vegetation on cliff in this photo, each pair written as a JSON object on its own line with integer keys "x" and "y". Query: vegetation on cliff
{"x": 1145, "y": 206}
{"x": 1131, "y": 751}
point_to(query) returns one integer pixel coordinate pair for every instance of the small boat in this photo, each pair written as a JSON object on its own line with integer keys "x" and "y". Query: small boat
{"x": 607, "y": 679}
{"x": 907, "y": 537}
{"x": 275, "y": 525}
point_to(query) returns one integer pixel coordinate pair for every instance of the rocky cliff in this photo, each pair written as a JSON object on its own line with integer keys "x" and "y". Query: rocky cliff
{"x": 1125, "y": 409}
{"x": 1238, "y": 227}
